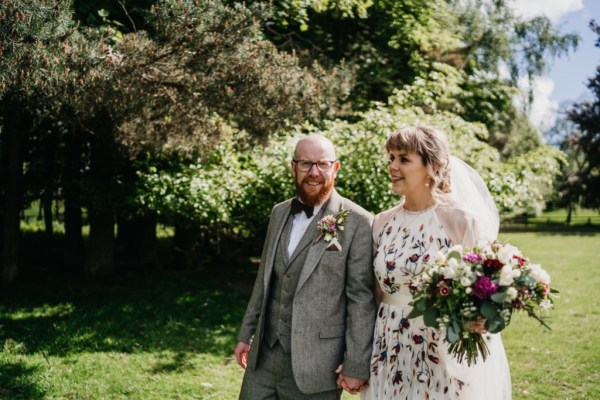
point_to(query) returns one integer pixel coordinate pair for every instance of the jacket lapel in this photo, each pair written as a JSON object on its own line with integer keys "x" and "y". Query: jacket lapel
{"x": 316, "y": 250}
{"x": 279, "y": 220}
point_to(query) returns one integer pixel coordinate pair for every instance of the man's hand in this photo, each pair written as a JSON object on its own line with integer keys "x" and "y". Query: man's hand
{"x": 241, "y": 352}
{"x": 350, "y": 385}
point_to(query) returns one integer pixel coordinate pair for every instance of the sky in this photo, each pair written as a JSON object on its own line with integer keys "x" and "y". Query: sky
{"x": 566, "y": 78}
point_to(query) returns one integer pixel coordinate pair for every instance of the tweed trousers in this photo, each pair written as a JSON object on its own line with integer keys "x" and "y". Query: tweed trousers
{"x": 273, "y": 379}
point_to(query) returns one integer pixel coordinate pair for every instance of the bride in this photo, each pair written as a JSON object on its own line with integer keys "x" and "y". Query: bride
{"x": 445, "y": 203}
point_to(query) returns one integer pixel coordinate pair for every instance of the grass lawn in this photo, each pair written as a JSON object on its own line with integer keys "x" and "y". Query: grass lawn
{"x": 170, "y": 335}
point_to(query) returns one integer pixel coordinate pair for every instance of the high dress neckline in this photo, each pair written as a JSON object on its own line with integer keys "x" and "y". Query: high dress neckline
{"x": 419, "y": 211}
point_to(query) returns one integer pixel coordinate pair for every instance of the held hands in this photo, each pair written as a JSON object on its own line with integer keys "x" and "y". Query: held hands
{"x": 241, "y": 352}
{"x": 350, "y": 385}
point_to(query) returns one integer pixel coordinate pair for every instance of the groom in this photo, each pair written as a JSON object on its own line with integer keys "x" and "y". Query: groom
{"x": 312, "y": 307}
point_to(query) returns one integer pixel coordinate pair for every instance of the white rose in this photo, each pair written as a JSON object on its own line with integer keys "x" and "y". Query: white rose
{"x": 539, "y": 274}
{"x": 440, "y": 257}
{"x": 453, "y": 263}
{"x": 508, "y": 275}
{"x": 457, "y": 248}
{"x": 506, "y": 253}
{"x": 511, "y": 294}
{"x": 466, "y": 282}
{"x": 448, "y": 273}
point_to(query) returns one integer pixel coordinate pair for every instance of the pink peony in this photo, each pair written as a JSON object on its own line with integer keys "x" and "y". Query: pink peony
{"x": 472, "y": 258}
{"x": 484, "y": 287}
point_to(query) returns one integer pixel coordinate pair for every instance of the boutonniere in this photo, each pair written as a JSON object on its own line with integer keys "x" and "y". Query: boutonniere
{"x": 329, "y": 226}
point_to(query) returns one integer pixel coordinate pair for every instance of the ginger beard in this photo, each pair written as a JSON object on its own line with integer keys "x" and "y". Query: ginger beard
{"x": 310, "y": 198}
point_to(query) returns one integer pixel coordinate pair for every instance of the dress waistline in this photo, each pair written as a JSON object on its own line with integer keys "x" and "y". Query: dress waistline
{"x": 397, "y": 299}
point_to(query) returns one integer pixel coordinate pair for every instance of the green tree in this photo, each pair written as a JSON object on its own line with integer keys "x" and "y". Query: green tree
{"x": 390, "y": 44}
{"x": 28, "y": 70}
{"x": 170, "y": 88}
{"x": 584, "y": 143}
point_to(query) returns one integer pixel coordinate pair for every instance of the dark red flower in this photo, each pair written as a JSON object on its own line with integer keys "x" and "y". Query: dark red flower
{"x": 387, "y": 281}
{"x": 492, "y": 265}
{"x": 484, "y": 287}
{"x": 404, "y": 323}
{"x": 390, "y": 265}
{"x": 418, "y": 339}
{"x": 397, "y": 378}
{"x": 414, "y": 258}
{"x": 522, "y": 261}
{"x": 434, "y": 359}
{"x": 444, "y": 291}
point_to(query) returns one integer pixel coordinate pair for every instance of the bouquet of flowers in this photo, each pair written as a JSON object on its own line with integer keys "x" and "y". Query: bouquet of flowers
{"x": 466, "y": 286}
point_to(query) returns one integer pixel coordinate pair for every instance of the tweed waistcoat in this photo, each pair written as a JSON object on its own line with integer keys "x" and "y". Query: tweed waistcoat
{"x": 286, "y": 273}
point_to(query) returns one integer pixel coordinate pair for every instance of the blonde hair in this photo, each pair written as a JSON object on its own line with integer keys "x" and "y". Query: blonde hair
{"x": 432, "y": 146}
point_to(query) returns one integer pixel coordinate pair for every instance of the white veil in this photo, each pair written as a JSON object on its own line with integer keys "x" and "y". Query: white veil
{"x": 489, "y": 379}
{"x": 470, "y": 192}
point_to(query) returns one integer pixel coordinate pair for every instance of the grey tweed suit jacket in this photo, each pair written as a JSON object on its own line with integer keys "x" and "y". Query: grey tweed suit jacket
{"x": 333, "y": 307}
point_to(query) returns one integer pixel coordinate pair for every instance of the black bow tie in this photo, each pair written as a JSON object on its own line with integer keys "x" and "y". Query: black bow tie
{"x": 298, "y": 206}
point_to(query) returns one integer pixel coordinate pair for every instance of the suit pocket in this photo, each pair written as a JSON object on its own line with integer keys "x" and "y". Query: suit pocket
{"x": 332, "y": 331}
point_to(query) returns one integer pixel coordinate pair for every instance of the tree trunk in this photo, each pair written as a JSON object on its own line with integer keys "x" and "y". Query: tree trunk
{"x": 16, "y": 126}
{"x": 47, "y": 205}
{"x": 137, "y": 236}
{"x": 184, "y": 246}
{"x": 101, "y": 247}
{"x": 569, "y": 213}
{"x": 73, "y": 251}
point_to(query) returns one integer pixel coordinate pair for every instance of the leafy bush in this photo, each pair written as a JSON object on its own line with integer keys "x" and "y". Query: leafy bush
{"x": 239, "y": 184}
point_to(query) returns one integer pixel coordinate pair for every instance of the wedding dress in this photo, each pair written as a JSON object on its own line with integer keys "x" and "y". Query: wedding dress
{"x": 410, "y": 361}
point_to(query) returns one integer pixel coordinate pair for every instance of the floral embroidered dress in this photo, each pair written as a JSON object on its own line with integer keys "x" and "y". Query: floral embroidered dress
{"x": 411, "y": 361}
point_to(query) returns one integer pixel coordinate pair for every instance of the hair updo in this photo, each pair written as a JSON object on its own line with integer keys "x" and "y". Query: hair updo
{"x": 432, "y": 146}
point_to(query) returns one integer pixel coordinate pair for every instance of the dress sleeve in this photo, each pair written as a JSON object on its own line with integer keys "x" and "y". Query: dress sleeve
{"x": 379, "y": 222}
{"x": 460, "y": 224}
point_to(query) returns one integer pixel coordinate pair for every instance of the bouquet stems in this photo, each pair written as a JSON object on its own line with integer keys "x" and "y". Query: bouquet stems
{"x": 469, "y": 348}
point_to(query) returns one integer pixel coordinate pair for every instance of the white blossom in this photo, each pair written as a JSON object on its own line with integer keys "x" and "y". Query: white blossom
{"x": 537, "y": 273}
{"x": 453, "y": 263}
{"x": 508, "y": 275}
{"x": 506, "y": 253}
{"x": 457, "y": 248}
{"x": 511, "y": 294}
{"x": 466, "y": 282}
{"x": 440, "y": 258}
{"x": 545, "y": 304}
{"x": 449, "y": 273}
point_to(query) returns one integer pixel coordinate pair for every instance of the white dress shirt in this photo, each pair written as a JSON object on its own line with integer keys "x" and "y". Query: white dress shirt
{"x": 299, "y": 225}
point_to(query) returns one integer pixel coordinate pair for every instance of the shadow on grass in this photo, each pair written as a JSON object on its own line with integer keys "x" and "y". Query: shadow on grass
{"x": 180, "y": 312}
{"x": 178, "y": 363}
{"x": 18, "y": 381}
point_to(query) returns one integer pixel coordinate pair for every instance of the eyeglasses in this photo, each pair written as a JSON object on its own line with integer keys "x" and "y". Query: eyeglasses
{"x": 306, "y": 166}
